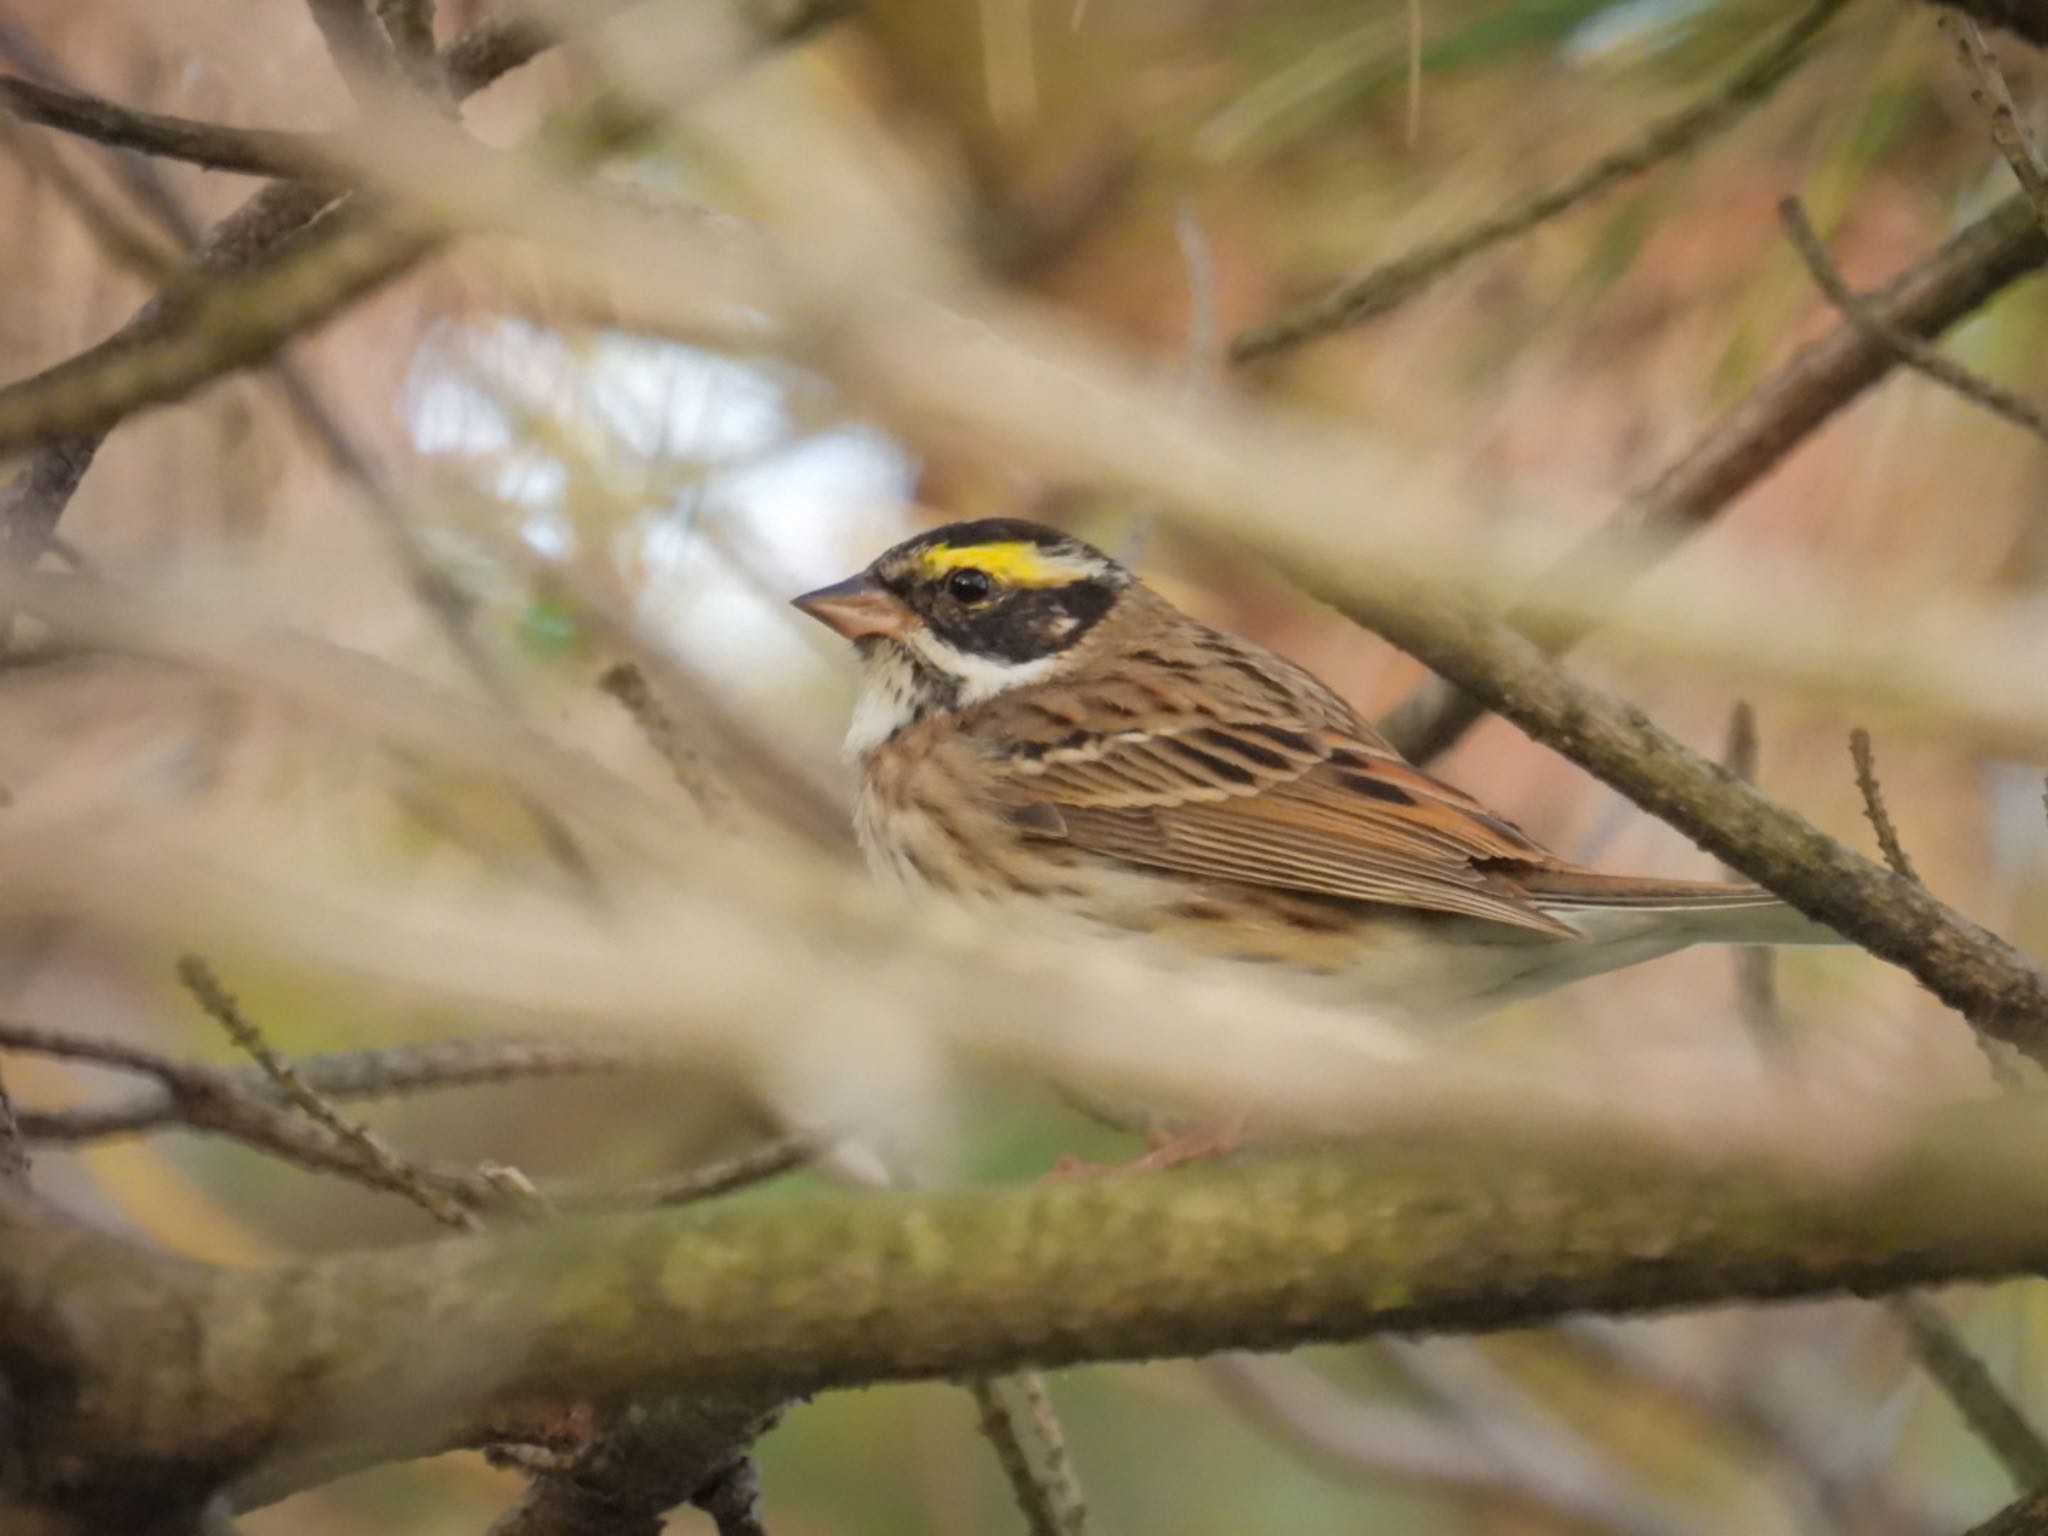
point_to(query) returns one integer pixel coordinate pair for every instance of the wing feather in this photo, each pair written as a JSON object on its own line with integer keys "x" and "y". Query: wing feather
{"x": 1250, "y": 771}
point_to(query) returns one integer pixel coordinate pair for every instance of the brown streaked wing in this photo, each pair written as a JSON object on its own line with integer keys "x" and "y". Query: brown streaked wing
{"x": 1320, "y": 807}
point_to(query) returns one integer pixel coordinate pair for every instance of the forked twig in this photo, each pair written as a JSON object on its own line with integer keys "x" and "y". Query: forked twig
{"x": 393, "y": 1171}
{"x": 1916, "y": 353}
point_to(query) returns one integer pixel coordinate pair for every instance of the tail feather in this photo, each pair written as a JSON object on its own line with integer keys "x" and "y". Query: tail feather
{"x": 1705, "y": 911}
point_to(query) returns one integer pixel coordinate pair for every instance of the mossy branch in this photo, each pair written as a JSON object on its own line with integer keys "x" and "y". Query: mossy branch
{"x": 263, "y": 1380}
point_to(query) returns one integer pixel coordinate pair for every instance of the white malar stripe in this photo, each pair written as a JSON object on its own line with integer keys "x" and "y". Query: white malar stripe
{"x": 979, "y": 677}
{"x": 889, "y": 694}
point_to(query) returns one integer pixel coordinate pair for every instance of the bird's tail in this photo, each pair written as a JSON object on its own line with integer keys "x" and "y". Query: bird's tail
{"x": 1692, "y": 911}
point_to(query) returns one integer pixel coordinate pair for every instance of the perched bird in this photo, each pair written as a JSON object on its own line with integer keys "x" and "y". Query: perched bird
{"x": 1034, "y": 722}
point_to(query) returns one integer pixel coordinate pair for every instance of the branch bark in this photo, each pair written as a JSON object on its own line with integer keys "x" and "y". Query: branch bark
{"x": 245, "y": 151}
{"x": 264, "y": 1380}
{"x": 1779, "y": 414}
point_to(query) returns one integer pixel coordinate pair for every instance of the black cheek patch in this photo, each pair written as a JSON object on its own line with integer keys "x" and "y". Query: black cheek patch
{"x": 1027, "y": 623}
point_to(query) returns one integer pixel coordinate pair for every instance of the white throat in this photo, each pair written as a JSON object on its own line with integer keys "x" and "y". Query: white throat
{"x": 893, "y": 695}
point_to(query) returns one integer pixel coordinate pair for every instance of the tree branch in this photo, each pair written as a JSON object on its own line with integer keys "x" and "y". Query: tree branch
{"x": 1362, "y": 298}
{"x": 1994, "y": 98}
{"x": 2001, "y": 991}
{"x": 1983, "y": 1404}
{"x": 245, "y": 151}
{"x": 2028, "y": 1514}
{"x": 373, "y": 1074}
{"x": 1914, "y": 352}
{"x": 266, "y": 1377}
{"x": 1781, "y": 412}
{"x": 33, "y": 502}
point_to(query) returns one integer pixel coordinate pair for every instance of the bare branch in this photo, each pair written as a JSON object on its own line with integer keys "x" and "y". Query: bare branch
{"x": 706, "y": 1182}
{"x": 627, "y": 683}
{"x": 390, "y": 1170}
{"x": 1984, "y": 1405}
{"x": 410, "y": 26}
{"x": 33, "y": 502}
{"x": 245, "y": 151}
{"x": 1362, "y": 298}
{"x": 1989, "y": 90}
{"x": 360, "y": 50}
{"x": 2028, "y": 1514}
{"x": 1017, "y": 1419}
{"x": 1267, "y": 1253}
{"x": 1916, "y": 353}
{"x": 389, "y": 1072}
{"x": 1874, "y": 807}
{"x": 1780, "y": 413}
{"x": 126, "y": 242}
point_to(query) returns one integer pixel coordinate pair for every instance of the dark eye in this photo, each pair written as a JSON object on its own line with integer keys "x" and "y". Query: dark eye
{"x": 969, "y": 586}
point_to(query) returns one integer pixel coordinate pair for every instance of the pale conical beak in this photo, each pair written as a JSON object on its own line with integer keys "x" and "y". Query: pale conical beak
{"x": 858, "y": 608}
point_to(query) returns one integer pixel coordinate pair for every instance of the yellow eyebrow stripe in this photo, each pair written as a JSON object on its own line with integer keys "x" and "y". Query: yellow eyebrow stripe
{"x": 1015, "y": 563}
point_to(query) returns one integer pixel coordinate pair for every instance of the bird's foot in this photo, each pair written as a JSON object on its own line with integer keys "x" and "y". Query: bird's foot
{"x": 1164, "y": 1149}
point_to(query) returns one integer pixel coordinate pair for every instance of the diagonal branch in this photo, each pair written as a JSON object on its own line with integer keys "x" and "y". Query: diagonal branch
{"x": 1913, "y": 351}
{"x": 1994, "y": 98}
{"x": 2001, "y": 991}
{"x": 1757, "y": 434}
{"x": 1362, "y": 298}
{"x": 245, "y": 151}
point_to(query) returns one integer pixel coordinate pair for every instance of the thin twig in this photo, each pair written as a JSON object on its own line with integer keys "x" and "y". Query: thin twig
{"x": 1984, "y": 1405}
{"x": 33, "y": 502}
{"x": 1017, "y": 1419}
{"x": 249, "y": 1105}
{"x": 216, "y": 146}
{"x": 1754, "y": 436}
{"x": 130, "y": 246}
{"x": 1989, "y": 90}
{"x": 14, "y": 1155}
{"x": 1756, "y": 965}
{"x": 1359, "y": 299}
{"x": 626, "y": 682}
{"x": 395, "y": 1171}
{"x": 382, "y": 1073}
{"x": 410, "y": 26}
{"x": 1874, "y": 808}
{"x": 1942, "y": 1354}
{"x": 1896, "y": 859}
{"x": 357, "y": 44}
{"x": 1916, "y": 353}
{"x": 705, "y": 1182}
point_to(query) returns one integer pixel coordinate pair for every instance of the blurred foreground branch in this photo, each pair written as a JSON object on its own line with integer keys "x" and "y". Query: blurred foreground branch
{"x": 1385, "y": 287}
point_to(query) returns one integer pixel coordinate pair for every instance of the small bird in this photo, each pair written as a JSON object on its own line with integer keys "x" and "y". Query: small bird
{"x": 1034, "y": 722}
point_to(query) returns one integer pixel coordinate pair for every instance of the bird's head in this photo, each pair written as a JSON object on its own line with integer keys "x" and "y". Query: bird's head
{"x": 971, "y": 610}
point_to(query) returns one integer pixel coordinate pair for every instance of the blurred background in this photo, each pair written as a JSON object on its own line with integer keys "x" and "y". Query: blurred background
{"x": 1166, "y": 172}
